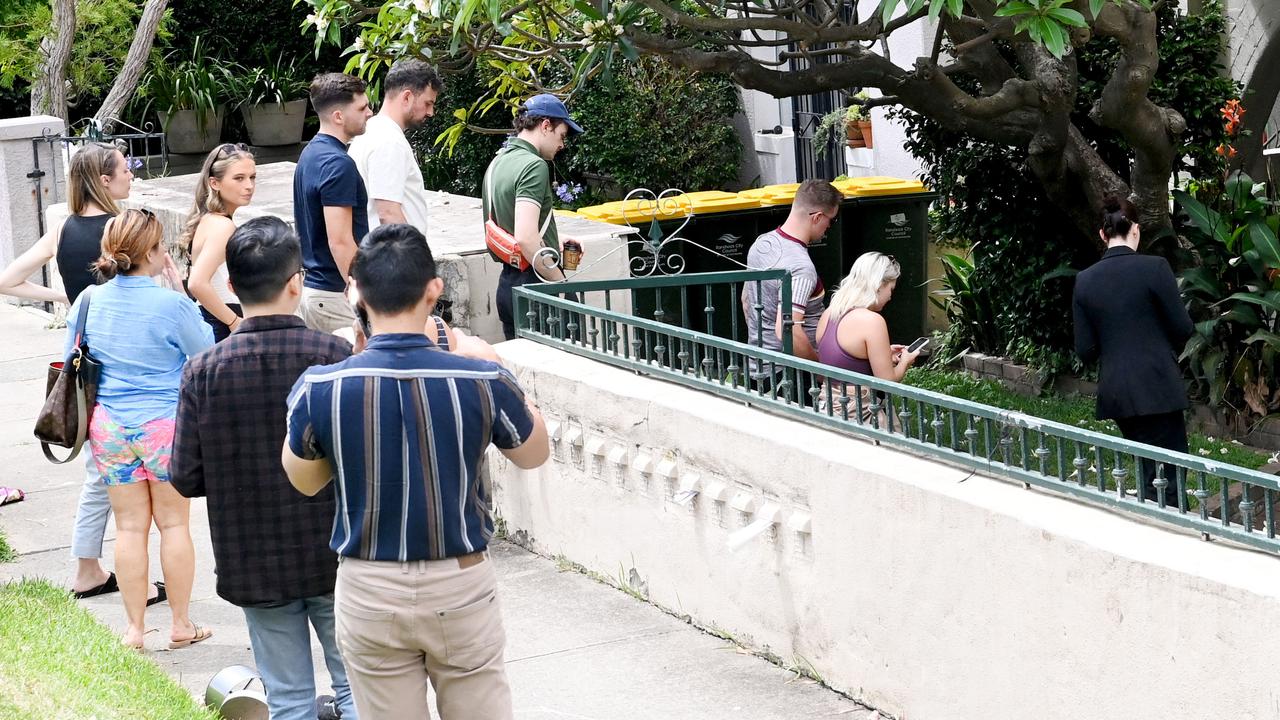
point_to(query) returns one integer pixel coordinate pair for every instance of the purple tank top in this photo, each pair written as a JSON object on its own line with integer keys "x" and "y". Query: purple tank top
{"x": 830, "y": 352}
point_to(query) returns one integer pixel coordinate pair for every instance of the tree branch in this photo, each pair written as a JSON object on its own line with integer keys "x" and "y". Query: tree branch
{"x": 134, "y": 63}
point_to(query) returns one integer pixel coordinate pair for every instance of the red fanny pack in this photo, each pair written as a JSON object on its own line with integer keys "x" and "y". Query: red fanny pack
{"x": 502, "y": 245}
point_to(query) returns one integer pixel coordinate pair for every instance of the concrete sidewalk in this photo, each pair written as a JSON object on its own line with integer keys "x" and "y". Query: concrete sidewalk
{"x": 576, "y": 648}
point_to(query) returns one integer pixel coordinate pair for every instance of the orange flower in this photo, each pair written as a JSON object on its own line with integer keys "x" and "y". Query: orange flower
{"x": 1227, "y": 151}
{"x": 1233, "y": 113}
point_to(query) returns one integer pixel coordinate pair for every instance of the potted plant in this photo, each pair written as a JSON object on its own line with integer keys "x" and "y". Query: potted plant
{"x": 188, "y": 94}
{"x": 273, "y": 101}
{"x": 855, "y": 121}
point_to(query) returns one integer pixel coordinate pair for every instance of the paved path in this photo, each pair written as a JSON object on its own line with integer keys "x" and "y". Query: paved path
{"x": 576, "y": 649}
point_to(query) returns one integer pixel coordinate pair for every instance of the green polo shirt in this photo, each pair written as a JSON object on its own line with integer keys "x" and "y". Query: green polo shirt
{"x": 519, "y": 172}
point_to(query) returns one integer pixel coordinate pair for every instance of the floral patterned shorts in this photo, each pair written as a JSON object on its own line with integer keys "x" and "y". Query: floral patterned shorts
{"x": 127, "y": 455}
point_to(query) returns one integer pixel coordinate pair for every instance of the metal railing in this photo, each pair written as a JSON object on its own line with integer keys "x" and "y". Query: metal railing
{"x": 1214, "y": 499}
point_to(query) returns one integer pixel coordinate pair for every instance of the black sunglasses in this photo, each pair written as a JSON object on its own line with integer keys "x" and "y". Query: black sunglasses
{"x": 226, "y": 149}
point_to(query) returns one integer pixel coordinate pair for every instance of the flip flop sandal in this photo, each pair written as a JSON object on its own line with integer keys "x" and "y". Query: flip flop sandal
{"x": 161, "y": 595}
{"x": 109, "y": 586}
{"x": 202, "y": 634}
{"x": 11, "y": 495}
{"x": 140, "y": 647}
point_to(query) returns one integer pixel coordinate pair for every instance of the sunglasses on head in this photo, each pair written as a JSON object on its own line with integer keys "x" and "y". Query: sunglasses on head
{"x": 227, "y": 149}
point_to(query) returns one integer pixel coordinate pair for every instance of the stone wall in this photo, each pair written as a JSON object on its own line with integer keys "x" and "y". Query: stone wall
{"x": 21, "y": 196}
{"x": 920, "y": 591}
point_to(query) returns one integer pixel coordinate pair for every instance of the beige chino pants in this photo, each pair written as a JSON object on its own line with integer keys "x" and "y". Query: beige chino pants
{"x": 324, "y": 310}
{"x": 402, "y": 625}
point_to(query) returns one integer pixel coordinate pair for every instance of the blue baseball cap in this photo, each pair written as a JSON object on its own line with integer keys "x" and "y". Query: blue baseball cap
{"x": 549, "y": 106}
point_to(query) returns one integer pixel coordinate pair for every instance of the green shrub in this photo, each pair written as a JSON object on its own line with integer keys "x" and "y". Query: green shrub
{"x": 654, "y": 127}
{"x": 104, "y": 31}
{"x": 1233, "y": 294}
{"x": 657, "y": 127}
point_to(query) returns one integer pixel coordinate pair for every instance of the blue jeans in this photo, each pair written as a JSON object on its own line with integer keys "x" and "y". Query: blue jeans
{"x": 282, "y": 649}
{"x": 92, "y": 512}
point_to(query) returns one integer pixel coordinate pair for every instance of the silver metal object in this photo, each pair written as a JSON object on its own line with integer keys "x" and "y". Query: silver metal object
{"x": 229, "y": 693}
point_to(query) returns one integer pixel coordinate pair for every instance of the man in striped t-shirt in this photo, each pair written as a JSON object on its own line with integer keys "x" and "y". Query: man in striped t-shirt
{"x": 812, "y": 211}
{"x": 403, "y": 427}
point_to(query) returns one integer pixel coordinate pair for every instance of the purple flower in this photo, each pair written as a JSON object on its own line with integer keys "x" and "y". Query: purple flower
{"x": 567, "y": 192}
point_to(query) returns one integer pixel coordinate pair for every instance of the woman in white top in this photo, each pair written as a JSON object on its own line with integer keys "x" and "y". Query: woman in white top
{"x": 226, "y": 184}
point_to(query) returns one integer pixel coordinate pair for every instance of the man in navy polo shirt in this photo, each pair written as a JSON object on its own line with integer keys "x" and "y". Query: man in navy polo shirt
{"x": 403, "y": 427}
{"x": 329, "y": 200}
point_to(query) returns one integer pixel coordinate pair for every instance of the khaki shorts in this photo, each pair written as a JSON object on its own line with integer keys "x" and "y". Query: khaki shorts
{"x": 325, "y": 311}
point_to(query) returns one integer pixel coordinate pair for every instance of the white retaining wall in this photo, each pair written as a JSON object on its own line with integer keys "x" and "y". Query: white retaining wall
{"x": 916, "y": 590}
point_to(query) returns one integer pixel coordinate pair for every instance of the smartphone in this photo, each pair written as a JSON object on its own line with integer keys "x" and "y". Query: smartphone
{"x": 919, "y": 344}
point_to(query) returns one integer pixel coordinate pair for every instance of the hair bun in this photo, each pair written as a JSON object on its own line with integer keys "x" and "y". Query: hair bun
{"x": 121, "y": 262}
{"x": 1112, "y": 204}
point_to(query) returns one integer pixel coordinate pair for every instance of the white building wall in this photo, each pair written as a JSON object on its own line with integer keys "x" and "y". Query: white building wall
{"x": 888, "y": 157}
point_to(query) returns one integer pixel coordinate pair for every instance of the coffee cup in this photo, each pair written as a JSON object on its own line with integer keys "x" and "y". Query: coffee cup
{"x": 571, "y": 254}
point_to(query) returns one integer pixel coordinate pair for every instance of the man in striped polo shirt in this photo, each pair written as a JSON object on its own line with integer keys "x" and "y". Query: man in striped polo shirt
{"x": 403, "y": 427}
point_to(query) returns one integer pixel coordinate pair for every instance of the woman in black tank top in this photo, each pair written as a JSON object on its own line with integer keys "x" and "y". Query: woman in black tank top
{"x": 98, "y": 178}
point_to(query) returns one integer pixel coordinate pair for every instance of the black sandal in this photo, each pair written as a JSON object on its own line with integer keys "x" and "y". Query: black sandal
{"x": 161, "y": 595}
{"x": 109, "y": 586}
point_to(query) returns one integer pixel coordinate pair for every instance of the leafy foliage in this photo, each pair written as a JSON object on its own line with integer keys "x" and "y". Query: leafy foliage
{"x": 556, "y": 45}
{"x": 654, "y": 126}
{"x": 649, "y": 127}
{"x": 276, "y": 83}
{"x": 104, "y": 30}
{"x": 196, "y": 82}
{"x": 1025, "y": 251}
{"x": 1233, "y": 294}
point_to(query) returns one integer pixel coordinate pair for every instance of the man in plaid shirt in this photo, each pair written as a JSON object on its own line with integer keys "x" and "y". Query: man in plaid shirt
{"x": 270, "y": 543}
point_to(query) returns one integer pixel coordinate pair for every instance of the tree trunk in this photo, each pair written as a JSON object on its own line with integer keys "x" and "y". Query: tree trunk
{"x": 49, "y": 91}
{"x": 134, "y": 64}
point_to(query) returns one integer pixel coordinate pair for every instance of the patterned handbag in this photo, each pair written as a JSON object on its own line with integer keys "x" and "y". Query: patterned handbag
{"x": 71, "y": 391}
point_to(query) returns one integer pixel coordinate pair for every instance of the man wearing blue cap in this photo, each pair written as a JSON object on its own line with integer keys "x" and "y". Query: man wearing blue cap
{"x": 517, "y": 194}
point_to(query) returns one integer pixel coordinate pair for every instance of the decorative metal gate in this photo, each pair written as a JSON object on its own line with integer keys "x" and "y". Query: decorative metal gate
{"x": 808, "y": 111}
{"x": 137, "y": 147}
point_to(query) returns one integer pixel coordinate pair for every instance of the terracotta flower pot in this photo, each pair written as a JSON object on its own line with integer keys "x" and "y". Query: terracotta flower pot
{"x": 853, "y": 131}
{"x": 865, "y": 127}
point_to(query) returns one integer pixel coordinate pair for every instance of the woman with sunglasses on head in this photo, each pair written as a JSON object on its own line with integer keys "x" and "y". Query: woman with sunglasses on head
{"x": 226, "y": 184}
{"x": 142, "y": 334}
{"x": 99, "y": 177}
{"x": 853, "y": 335}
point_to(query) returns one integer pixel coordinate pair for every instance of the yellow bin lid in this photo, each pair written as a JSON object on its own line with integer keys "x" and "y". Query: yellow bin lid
{"x": 772, "y": 194}
{"x": 565, "y": 213}
{"x": 715, "y": 201}
{"x": 622, "y": 212}
{"x": 875, "y": 186}
{"x": 608, "y": 212}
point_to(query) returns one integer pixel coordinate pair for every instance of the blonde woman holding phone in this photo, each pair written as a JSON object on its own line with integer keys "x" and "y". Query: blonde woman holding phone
{"x": 853, "y": 335}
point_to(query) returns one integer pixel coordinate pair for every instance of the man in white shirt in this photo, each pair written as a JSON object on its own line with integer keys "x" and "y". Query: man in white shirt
{"x": 383, "y": 154}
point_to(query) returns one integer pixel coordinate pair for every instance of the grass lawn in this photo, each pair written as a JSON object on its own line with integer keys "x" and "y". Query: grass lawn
{"x": 57, "y": 661}
{"x": 1074, "y": 410}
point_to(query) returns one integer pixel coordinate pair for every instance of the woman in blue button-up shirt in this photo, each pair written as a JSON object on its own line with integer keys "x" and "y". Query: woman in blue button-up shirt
{"x": 142, "y": 334}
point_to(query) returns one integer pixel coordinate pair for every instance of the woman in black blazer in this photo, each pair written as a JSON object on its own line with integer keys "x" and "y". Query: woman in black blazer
{"x": 1129, "y": 315}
